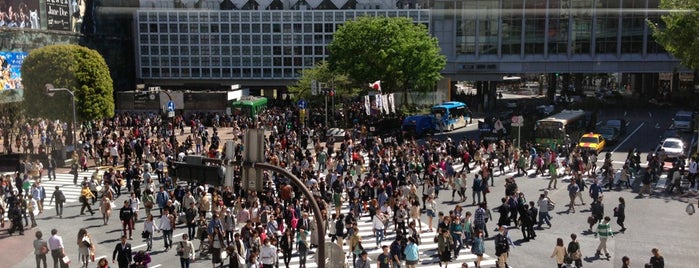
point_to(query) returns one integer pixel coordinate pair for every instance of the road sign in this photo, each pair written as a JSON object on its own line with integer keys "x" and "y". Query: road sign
{"x": 314, "y": 87}
{"x": 253, "y": 151}
{"x": 171, "y": 114}
{"x": 170, "y": 106}
{"x": 302, "y": 104}
{"x": 517, "y": 121}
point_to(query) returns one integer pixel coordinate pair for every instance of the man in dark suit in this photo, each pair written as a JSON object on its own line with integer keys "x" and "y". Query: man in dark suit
{"x": 123, "y": 250}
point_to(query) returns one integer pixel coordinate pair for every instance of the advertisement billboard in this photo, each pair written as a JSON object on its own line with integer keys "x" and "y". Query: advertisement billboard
{"x": 10, "y": 69}
{"x": 20, "y": 14}
{"x": 58, "y": 15}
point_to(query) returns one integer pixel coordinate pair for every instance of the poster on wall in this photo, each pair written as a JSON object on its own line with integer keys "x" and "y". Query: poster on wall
{"x": 20, "y": 14}
{"x": 58, "y": 15}
{"x": 10, "y": 69}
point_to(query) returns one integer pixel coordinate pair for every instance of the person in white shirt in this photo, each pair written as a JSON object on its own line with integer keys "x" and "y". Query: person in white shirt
{"x": 268, "y": 254}
{"x": 55, "y": 243}
{"x": 167, "y": 225}
{"x": 378, "y": 226}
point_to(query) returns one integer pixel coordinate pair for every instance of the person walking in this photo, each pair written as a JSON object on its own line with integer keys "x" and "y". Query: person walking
{"x": 302, "y": 246}
{"x": 478, "y": 187}
{"x": 40, "y": 250}
{"x": 85, "y": 195}
{"x": 478, "y": 247}
{"x": 149, "y": 227}
{"x": 186, "y": 248}
{"x": 481, "y": 217}
{"x": 657, "y": 260}
{"x": 268, "y": 254}
{"x": 553, "y": 172}
{"x": 60, "y": 200}
{"x": 445, "y": 244}
{"x": 122, "y": 253}
{"x": 167, "y": 226}
{"x": 604, "y": 231}
{"x": 502, "y": 247}
{"x": 56, "y": 247}
{"x": 559, "y": 252}
{"x": 85, "y": 246}
{"x": 378, "y": 228}
{"x": 106, "y": 209}
{"x": 620, "y": 214}
{"x": 544, "y": 216}
{"x": 626, "y": 262}
{"x": 574, "y": 251}
{"x": 597, "y": 209}
{"x": 355, "y": 244}
{"x": 412, "y": 253}
{"x": 430, "y": 205}
{"x": 126, "y": 215}
{"x": 573, "y": 190}
{"x": 286, "y": 244}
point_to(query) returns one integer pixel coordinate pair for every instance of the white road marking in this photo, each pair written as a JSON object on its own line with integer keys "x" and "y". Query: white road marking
{"x": 628, "y": 136}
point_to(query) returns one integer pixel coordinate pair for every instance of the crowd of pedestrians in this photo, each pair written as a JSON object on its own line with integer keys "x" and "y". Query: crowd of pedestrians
{"x": 357, "y": 176}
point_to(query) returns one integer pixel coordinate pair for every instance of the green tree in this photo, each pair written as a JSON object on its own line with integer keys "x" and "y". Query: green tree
{"x": 79, "y": 69}
{"x": 321, "y": 72}
{"x": 679, "y": 30}
{"x": 396, "y": 51}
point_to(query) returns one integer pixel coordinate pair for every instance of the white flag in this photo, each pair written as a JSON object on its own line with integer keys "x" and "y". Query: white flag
{"x": 367, "y": 105}
{"x": 379, "y": 102}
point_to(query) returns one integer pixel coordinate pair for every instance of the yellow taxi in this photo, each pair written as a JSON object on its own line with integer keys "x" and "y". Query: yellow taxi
{"x": 592, "y": 142}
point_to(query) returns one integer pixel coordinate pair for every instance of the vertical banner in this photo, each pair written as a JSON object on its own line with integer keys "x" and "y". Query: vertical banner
{"x": 392, "y": 101}
{"x": 367, "y": 105}
{"x": 386, "y": 107}
{"x": 58, "y": 15}
{"x": 379, "y": 102}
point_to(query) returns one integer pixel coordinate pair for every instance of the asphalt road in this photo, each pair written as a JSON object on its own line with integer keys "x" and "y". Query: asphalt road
{"x": 652, "y": 222}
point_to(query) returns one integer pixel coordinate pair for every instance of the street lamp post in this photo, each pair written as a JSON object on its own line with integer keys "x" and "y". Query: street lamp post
{"x": 49, "y": 91}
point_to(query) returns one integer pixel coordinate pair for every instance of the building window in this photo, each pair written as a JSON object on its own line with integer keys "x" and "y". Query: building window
{"x": 606, "y": 27}
{"x": 511, "y": 27}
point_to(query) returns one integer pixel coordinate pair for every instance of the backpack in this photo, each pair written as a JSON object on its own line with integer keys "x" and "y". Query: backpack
{"x": 60, "y": 197}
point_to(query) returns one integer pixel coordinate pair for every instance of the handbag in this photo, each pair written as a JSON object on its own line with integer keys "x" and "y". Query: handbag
{"x": 145, "y": 234}
{"x": 577, "y": 255}
{"x": 551, "y": 206}
{"x": 44, "y": 250}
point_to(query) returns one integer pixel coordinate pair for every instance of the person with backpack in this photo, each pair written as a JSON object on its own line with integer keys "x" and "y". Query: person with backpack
{"x": 411, "y": 253}
{"x": 60, "y": 200}
{"x": 502, "y": 248}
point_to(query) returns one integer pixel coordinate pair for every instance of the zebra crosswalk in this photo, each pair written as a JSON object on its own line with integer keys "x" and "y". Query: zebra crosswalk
{"x": 427, "y": 248}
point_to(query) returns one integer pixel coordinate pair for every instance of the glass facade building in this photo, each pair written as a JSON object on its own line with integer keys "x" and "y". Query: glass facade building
{"x": 264, "y": 45}
{"x": 481, "y": 39}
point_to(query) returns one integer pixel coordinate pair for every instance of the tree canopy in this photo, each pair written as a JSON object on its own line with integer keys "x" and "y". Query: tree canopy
{"x": 320, "y": 72}
{"x": 395, "y": 50}
{"x": 79, "y": 69}
{"x": 680, "y": 30}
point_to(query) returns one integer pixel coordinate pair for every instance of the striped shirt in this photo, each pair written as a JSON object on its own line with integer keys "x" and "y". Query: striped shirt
{"x": 604, "y": 230}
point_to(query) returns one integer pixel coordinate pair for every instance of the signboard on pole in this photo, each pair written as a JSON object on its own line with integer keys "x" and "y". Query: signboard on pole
{"x": 253, "y": 152}
{"x": 517, "y": 121}
{"x": 302, "y": 104}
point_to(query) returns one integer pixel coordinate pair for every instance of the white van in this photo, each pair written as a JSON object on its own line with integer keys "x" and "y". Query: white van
{"x": 683, "y": 120}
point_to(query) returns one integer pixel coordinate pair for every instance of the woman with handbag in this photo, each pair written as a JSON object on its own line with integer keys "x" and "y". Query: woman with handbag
{"x": 286, "y": 244}
{"x": 559, "y": 252}
{"x": 574, "y": 251}
{"x": 85, "y": 246}
{"x": 41, "y": 248}
{"x": 149, "y": 228}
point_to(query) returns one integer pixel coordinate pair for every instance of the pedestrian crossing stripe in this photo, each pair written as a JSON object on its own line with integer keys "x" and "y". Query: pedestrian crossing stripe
{"x": 427, "y": 247}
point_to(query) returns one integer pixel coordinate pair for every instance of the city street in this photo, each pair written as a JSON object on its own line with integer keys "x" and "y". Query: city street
{"x": 659, "y": 221}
